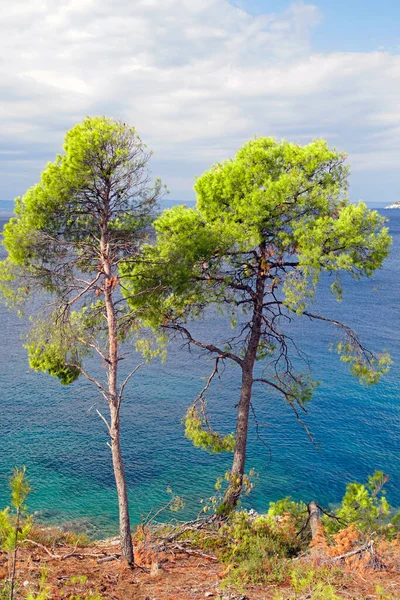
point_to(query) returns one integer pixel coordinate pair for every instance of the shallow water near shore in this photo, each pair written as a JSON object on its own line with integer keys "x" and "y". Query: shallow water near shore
{"x": 56, "y": 433}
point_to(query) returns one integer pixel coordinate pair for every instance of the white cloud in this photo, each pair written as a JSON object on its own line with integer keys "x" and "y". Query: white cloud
{"x": 69, "y": 83}
{"x": 197, "y": 78}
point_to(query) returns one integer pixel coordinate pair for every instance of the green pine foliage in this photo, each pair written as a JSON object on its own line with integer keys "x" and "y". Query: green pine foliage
{"x": 256, "y": 549}
{"x": 286, "y": 506}
{"x": 15, "y": 524}
{"x": 51, "y": 349}
{"x": 203, "y": 437}
{"x": 366, "y": 506}
{"x": 52, "y": 243}
{"x": 275, "y": 217}
{"x": 89, "y": 213}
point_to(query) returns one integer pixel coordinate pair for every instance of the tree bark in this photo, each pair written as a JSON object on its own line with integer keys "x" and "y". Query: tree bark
{"x": 313, "y": 515}
{"x": 120, "y": 481}
{"x": 239, "y": 458}
{"x": 242, "y": 423}
{"x": 114, "y": 405}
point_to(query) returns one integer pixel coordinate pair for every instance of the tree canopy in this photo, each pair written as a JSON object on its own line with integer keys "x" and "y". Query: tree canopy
{"x": 89, "y": 213}
{"x": 266, "y": 225}
{"x": 53, "y": 243}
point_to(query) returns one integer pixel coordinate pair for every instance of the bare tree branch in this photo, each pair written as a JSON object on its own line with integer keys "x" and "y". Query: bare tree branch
{"x": 210, "y": 347}
{"x": 105, "y": 420}
{"x": 123, "y": 385}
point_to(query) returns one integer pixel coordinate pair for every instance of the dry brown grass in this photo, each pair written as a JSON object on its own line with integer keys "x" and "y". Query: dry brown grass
{"x": 172, "y": 574}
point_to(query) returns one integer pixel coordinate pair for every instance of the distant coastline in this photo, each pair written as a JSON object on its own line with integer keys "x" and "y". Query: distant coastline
{"x": 7, "y": 206}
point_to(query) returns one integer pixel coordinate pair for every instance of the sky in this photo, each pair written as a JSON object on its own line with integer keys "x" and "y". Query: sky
{"x": 198, "y": 78}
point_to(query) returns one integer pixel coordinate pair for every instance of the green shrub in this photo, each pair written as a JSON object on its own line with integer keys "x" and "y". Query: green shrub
{"x": 15, "y": 523}
{"x": 257, "y": 548}
{"x": 4, "y": 590}
{"x": 311, "y": 582}
{"x": 286, "y": 506}
{"x": 366, "y": 506}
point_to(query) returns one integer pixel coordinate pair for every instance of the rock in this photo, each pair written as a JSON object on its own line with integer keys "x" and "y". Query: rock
{"x": 114, "y": 542}
{"x": 253, "y": 514}
{"x": 155, "y": 570}
{"x": 208, "y": 594}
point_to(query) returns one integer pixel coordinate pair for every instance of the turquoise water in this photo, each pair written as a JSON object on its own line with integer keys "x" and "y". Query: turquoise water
{"x": 57, "y": 434}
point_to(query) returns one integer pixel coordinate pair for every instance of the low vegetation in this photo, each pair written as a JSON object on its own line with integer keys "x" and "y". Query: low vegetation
{"x": 352, "y": 551}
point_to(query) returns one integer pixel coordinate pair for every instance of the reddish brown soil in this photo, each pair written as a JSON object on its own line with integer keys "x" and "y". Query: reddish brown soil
{"x": 176, "y": 576}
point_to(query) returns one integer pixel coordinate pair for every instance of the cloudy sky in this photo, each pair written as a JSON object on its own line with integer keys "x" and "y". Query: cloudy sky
{"x": 199, "y": 77}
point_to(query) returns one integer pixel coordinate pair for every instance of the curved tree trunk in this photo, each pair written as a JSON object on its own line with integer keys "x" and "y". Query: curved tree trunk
{"x": 239, "y": 458}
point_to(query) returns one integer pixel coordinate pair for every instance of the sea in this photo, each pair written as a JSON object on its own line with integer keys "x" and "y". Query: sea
{"x": 56, "y": 433}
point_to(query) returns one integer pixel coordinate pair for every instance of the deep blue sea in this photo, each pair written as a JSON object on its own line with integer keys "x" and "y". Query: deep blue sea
{"x": 56, "y": 433}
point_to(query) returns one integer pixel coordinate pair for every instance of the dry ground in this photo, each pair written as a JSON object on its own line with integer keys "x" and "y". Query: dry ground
{"x": 76, "y": 573}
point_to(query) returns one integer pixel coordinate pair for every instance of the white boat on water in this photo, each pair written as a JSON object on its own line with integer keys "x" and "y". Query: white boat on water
{"x": 394, "y": 205}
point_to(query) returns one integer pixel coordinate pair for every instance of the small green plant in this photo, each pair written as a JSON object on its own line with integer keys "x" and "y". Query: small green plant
{"x": 79, "y": 589}
{"x": 286, "y": 506}
{"x": 302, "y": 579}
{"x": 365, "y": 505}
{"x": 324, "y": 592}
{"x": 78, "y": 579}
{"x": 311, "y": 582}
{"x": 5, "y": 590}
{"x": 40, "y": 595}
{"x": 216, "y": 503}
{"x": 89, "y": 596}
{"x": 44, "y": 590}
{"x": 15, "y": 523}
{"x": 174, "y": 504}
{"x": 381, "y": 594}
